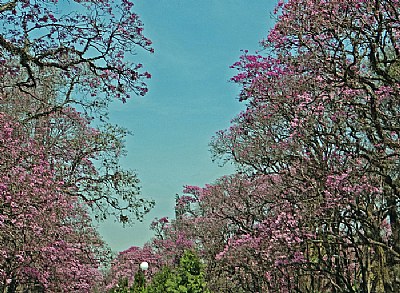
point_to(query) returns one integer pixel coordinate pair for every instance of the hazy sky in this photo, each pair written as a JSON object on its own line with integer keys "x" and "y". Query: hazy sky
{"x": 189, "y": 98}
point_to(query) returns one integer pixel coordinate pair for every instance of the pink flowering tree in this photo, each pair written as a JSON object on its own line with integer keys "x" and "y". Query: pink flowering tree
{"x": 244, "y": 233}
{"x": 323, "y": 116}
{"x": 62, "y": 63}
{"x": 170, "y": 241}
{"x": 314, "y": 206}
{"x": 47, "y": 239}
{"x": 84, "y": 157}
{"x": 86, "y": 44}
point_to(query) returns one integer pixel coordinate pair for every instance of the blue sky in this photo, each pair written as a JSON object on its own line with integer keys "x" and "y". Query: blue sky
{"x": 189, "y": 98}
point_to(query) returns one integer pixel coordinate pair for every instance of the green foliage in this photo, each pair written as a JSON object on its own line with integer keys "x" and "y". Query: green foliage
{"x": 190, "y": 277}
{"x": 122, "y": 287}
{"x": 138, "y": 286}
{"x": 139, "y": 282}
{"x": 187, "y": 278}
{"x": 162, "y": 281}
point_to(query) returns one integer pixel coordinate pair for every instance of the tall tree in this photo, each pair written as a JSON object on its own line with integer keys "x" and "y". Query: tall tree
{"x": 62, "y": 63}
{"x": 47, "y": 239}
{"x": 322, "y": 108}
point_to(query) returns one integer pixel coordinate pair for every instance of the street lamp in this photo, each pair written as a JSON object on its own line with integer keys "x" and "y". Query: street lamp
{"x": 140, "y": 277}
{"x": 144, "y": 265}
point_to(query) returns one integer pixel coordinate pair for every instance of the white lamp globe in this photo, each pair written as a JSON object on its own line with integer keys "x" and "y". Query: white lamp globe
{"x": 144, "y": 265}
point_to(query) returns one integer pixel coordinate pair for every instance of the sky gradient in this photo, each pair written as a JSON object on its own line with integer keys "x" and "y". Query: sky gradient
{"x": 189, "y": 98}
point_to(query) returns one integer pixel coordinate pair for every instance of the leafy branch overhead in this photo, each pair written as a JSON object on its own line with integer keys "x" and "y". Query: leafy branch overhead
{"x": 84, "y": 42}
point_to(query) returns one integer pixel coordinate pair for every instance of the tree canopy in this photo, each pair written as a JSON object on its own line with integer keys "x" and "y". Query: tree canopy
{"x": 61, "y": 64}
{"x": 313, "y": 207}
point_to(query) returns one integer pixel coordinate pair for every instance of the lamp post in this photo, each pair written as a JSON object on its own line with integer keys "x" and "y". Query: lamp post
{"x": 144, "y": 265}
{"x": 141, "y": 275}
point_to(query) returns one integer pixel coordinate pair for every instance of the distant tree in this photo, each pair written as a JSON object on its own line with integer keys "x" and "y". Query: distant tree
{"x": 164, "y": 251}
{"x": 188, "y": 277}
{"x": 169, "y": 241}
{"x": 185, "y": 275}
{"x": 244, "y": 233}
{"x": 126, "y": 266}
